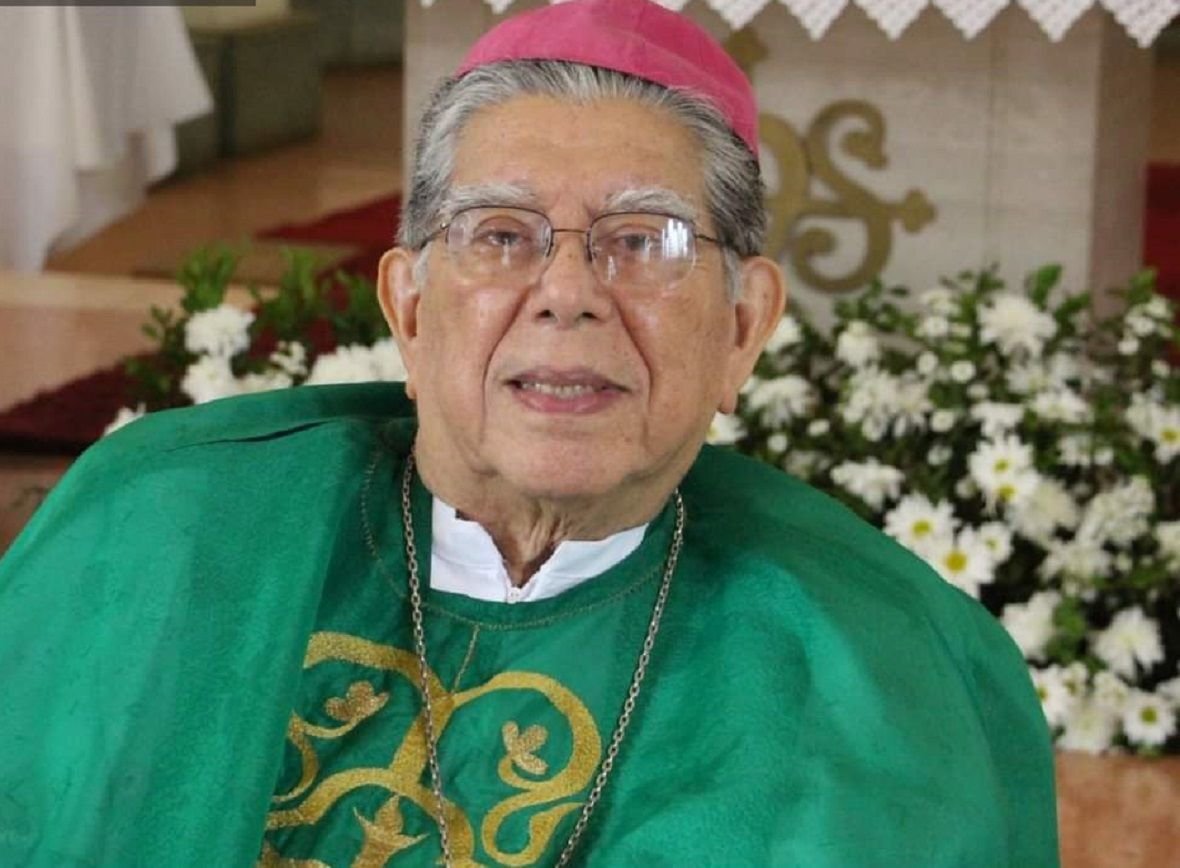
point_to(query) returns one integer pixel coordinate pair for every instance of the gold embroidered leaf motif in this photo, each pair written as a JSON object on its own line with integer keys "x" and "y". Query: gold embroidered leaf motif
{"x": 383, "y": 835}
{"x": 521, "y": 747}
{"x": 360, "y": 702}
{"x": 271, "y": 858}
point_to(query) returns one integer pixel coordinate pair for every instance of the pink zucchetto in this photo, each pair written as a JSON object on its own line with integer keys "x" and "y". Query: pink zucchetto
{"x": 637, "y": 37}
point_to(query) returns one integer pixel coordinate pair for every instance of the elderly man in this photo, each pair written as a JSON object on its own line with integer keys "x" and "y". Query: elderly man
{"x": 526, "y": 619}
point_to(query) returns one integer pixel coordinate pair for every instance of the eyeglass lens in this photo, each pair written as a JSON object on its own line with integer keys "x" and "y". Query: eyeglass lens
{"x": 632, "y": 249}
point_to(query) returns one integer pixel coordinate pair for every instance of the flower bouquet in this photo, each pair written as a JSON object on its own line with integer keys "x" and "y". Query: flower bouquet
{"x": 311, "y": 329}
{"x": 1026, "y": 451}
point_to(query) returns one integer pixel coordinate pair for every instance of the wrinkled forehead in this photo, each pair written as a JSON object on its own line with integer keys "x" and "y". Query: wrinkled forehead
{"x": 544, "y": 152}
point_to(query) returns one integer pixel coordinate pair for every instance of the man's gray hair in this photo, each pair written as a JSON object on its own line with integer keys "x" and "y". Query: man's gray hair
{"x": 732, "y": 183}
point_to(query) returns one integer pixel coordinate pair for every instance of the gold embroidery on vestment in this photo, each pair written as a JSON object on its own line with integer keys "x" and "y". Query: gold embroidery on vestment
{"x": 403, "y": 777}
{"x": 383, "y": 835}
{"x": 271, "y": 858}
{"x": 520, "y": 746}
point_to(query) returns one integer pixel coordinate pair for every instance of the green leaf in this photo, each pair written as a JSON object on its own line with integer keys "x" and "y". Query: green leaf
{"x": 1041, "y": 282}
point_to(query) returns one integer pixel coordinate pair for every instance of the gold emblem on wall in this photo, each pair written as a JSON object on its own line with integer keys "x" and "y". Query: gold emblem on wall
{"x": 806, "y": 163}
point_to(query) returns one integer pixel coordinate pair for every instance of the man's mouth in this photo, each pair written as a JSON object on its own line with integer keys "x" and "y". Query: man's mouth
{"x": 554, "y": 389}
{"x": 577, "y": 389}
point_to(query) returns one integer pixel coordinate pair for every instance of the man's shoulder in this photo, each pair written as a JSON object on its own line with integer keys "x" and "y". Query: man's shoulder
{"x": 786, "y": 541}
{"x": 261, "y": 416}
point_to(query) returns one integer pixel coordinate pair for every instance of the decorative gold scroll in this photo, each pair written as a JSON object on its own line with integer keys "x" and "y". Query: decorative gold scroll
{"x": 802, "y": 161}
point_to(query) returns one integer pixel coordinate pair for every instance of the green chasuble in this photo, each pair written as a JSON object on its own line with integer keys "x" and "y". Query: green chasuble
{"x": 206, "y": 659}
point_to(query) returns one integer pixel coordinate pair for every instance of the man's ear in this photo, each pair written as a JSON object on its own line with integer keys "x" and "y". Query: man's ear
{"x": 756, "y": 314}
{"x": 399, "y": 297}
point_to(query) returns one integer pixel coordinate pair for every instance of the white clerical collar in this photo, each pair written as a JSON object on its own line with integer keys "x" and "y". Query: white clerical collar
{"x": 465, "y": 560}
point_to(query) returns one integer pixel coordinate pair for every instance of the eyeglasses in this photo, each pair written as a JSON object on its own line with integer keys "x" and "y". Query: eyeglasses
{"x": 636, "y": 250}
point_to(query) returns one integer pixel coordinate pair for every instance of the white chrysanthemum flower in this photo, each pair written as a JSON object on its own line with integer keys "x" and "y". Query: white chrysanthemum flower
{"x": 873, "y": 429}
{"x": 939, "y": 455}
{"x": 208, "y": 379}
{"x": 1167, "y": 536}
{"x": 777, "y": 443}
{"x": 857, "y": 345}
{"x": 962, "y": 371}
{"x": 934, "y": 327}
{"x": 1062, "y": 405}
{"x": 387, "y": 361}
{"x": 1013, "y": 324}
{"x": 939, "y": 301}
{"x": 265, "y": 382}
{"x": 1049, "y": 507}
{"x": 1002, "y": 469}
{"x": 786, "y": 334}
{"x": 1065, "y": 368}
{"x": 913, "y": 403}
{"x": 803, "y": 463}
{"x": 1028, "y": 377}
{"x": 290, "y": 358}
{"x": 870, "y": 399}
{"x": 916, "y": 522}
{"x": 725, "y": 429}
{"x": 818, "y": 427}
{"x": 124, "y": 417}
{"x": 358, "y": 364}
{"x": 963, "y": 559}
{"x": 1132, "y": 638}
{"x": 1128, "y": 346}
{"x": 1075, "y": 450}
{"x": 1161, "y": 369}
{"x": 997, "y": 537}
{"x": 1170, "y": 690}
{"x": 997, "y": 418}
{"x": 1110, "y": 692}
{"x": 1140, "y": 414}
{"x": 1031, "y": 624}
{"x": 1057, "y": 701}
{"x": 942, "y": 421}
{"x": 1159, "y": 308}
{"x": 1165, "y": 432}
{"x": 1089, "y": 728}
{"x": 1079, "y": 558}
{"x": 1119, "y": 515}
{"x": 223, "y": 331}
{"x": 927, "y": 364}
{"x": 1138, "y": 322}
{"x": 780, "y": 400}
{"x": 347, "y": 364}
{"x": 1148, "y": 720}
{"x": 871, "y": 481}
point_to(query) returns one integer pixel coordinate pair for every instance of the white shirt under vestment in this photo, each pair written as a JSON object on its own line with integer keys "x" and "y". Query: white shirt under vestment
{"x": 464, "y": 560}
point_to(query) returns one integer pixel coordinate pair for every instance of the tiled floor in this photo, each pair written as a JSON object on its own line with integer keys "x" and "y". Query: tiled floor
{"x": 1115, "y": 813}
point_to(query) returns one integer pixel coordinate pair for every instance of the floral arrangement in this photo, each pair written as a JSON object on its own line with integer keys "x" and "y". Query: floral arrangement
{"x": 310, "y": 330}
{"x": 1027, "y": 452}
{"x": 1023, "y": 448}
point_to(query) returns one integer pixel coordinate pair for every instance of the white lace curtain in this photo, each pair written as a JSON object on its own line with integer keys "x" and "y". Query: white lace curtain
{"x": 1143, "y": 19}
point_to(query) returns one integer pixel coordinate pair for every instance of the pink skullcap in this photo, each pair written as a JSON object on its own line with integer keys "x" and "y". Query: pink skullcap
{"x": 637, "y": 37}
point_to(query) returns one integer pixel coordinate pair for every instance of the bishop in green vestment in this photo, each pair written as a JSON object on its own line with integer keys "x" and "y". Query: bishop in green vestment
{"x": 222, "y": 642}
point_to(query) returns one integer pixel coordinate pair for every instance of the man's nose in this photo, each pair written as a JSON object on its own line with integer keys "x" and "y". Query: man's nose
{"x": 569, "y": 291}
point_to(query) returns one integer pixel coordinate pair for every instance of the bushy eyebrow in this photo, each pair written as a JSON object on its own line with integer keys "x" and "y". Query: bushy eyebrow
{"x": 476, "y": 195}
{"x": 659, "y": 199}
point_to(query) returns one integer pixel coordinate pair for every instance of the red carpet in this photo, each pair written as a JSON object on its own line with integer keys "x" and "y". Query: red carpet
{"x": 371, "y": 226}
{"x": 71, "y": 417}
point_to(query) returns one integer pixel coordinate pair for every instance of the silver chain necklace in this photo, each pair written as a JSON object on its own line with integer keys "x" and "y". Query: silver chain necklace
{"x": 612, "y": 751}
